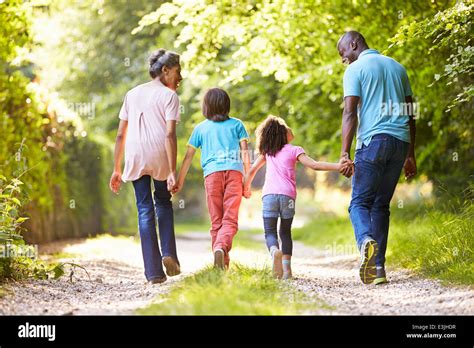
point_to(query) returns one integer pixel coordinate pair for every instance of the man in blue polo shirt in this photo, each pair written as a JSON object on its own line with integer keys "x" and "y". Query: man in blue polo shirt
{"x": 378, "y": 102}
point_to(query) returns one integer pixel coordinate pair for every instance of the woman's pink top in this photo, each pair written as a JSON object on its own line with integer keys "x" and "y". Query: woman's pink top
{"x": 147, "y": 107}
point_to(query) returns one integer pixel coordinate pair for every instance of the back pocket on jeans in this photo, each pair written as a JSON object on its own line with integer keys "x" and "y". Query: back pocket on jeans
{"x": 376, "y": 152}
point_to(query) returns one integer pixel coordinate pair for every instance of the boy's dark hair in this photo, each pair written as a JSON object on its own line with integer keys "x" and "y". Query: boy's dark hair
{"x": 216, "y": 105}
{"x": 271, "y": 135}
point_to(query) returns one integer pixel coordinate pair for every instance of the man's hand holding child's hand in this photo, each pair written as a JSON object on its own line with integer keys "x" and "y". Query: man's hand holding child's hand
{"x": 347, "y": 166}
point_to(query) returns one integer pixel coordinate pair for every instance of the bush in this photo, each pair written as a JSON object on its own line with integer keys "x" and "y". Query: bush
{"x": 18, "y": 260}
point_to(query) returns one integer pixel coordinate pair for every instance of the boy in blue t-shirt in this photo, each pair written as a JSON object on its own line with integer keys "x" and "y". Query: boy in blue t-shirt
{"x": 221, "y": 139}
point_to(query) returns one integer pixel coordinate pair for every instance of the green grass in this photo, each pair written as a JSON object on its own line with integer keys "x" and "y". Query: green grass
{"x": 437, "y": 244}
{"x": 325, "y": 231}
{"x": 432, "y": 242}
{"x": 182, "y": 227}
{"x": 239, "y": 291}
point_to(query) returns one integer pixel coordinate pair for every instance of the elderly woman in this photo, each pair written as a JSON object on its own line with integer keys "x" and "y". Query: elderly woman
{"x": 147, "y": 132}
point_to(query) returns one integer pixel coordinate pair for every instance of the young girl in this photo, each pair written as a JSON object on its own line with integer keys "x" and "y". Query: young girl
{"x": 221, "y": 139}
{"x": 279, "y": 190}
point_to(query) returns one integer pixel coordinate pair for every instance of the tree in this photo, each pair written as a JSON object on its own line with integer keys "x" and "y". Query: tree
{"x": 39, "y": 134}
{"x": 291, "y": 46}
{"x": 440, "y": 50}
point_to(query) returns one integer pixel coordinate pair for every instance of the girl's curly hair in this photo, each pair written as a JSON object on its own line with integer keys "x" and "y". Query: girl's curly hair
{"x": 272, "y": 135}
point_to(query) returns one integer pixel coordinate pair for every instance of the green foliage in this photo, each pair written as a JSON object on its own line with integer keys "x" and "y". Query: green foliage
{"x": 31, "y": 137}
{"x": 43, "y": 141}
{"x": 239, "y": 291}
{"x": 24, "y": 121}
{"x": 280, "y": 57}
{"x": 437, "y": 244}
{"x": 10, "y": 224}
{"x": 95, "y": 59}
{"x": 100, "y": 70}
{"x": 10, "y": 219}
{"x": 275, "y": 57}
{"x": 17, "y": 260}
{"x": 14, "y": 29}
{"x": 448, "y": 32}
{"x": 21, "y": 268}
{"x": 439, "y": 52}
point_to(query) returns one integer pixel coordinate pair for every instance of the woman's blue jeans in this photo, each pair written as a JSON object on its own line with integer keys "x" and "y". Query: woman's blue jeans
{"x": 163, "y": 209}
{"x": 377, "y": 170}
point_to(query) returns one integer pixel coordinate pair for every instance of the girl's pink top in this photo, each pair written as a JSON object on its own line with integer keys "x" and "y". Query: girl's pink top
{"x": 280, "y": 177}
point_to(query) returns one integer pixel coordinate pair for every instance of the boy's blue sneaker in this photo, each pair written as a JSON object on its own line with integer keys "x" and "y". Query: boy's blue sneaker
{"x": 368, "y": 252}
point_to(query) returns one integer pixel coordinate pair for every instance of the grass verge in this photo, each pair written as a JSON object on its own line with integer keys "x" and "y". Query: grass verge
{"x": 182, "y": 227}
{"x": 239, "y": 291}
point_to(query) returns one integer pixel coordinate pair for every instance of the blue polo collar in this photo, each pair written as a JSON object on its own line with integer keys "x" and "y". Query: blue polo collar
{"x": 368, "y": 51}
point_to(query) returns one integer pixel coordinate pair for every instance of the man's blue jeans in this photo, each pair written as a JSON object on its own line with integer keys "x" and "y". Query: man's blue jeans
{"x": 377, "y": 170}
{"x": 147, "y": 225}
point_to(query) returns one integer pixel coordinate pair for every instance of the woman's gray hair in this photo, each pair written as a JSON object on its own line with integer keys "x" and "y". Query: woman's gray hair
{"x": 161, "y": 58}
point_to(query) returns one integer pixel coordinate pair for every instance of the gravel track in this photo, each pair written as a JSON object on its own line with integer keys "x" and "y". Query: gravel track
{"x": 335, "y": 279}
{"x": 117, "y": 284}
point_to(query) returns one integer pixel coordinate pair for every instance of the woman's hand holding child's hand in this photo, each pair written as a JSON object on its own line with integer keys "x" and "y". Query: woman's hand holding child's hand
{"x": 171, "y": 181}
{"x": 176, "y": 188}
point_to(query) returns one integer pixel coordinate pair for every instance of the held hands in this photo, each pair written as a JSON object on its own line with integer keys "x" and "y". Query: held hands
{"x": 174, "y": 185}
{"x": 171, "y": 182}
{"x": 176, "y": 188}
{"x": 246, "y": 189}
{"x": 115, "y": 181}
{"x": 347, "y": 165}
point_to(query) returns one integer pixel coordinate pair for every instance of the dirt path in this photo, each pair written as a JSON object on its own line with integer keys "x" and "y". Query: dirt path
{"x": 117, "y": 284}
{"x": 335, "y": 279}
